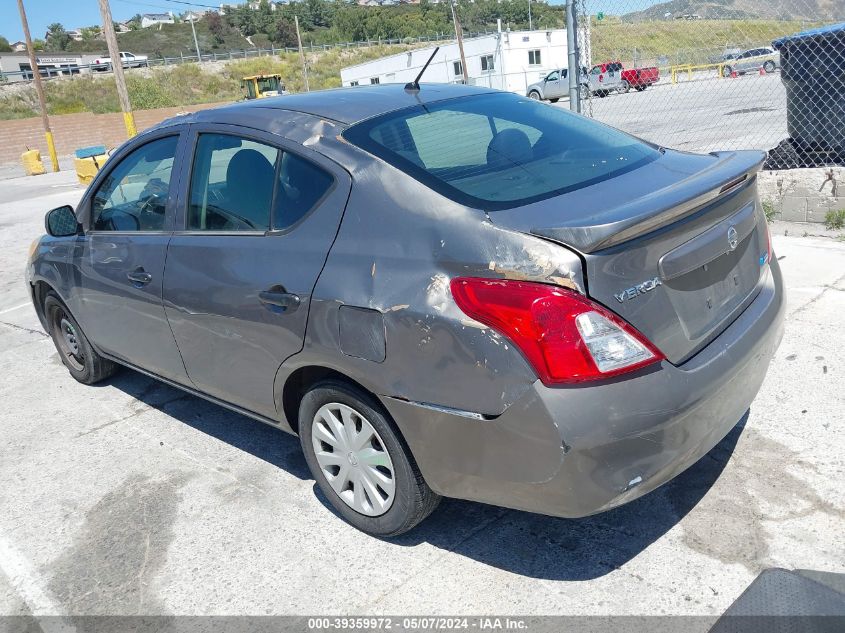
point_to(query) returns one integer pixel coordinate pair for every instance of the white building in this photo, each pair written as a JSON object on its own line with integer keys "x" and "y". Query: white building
{"x": 507, "y": 60}
{"x": 151, "y": 19}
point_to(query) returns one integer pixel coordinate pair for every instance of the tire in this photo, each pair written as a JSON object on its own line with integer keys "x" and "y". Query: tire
{"x": 412, "y": 500}
{"x": 641, "y": 88}
{"x": 534, "y": 95}
{"x": 76, "y": 352}
{"x": 726, "y": 71}
{"x": 769, "y": 67}
{"x": 625, "y": 86}
{"x": 555, "y": 100}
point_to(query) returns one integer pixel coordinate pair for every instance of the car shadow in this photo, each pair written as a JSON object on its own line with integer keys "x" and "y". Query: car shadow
{"x": 519, "y": 542}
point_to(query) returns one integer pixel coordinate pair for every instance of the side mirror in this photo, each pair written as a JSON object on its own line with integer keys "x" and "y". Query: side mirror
{"x": 61, "y": 222}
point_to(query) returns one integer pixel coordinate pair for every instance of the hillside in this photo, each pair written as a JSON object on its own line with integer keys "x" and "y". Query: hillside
{"x": 815, "y": 10}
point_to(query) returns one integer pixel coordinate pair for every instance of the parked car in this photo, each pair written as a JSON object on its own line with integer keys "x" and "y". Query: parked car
{"x": 445, "y": 291}
{"x": 129, "y": 60}
{"x": 555, "y": 85}
{"x": 753, "y": 60}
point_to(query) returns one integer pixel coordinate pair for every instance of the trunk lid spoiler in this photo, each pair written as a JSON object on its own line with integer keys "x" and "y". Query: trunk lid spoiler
{"x": 638, "y": 215}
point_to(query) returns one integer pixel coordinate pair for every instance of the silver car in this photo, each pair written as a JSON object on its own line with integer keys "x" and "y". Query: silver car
{"x": 443, "y": 290}
{"x": 753, "y": 60}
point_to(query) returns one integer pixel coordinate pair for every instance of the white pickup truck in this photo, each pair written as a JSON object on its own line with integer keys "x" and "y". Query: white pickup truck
{"x": 130, "y": 60}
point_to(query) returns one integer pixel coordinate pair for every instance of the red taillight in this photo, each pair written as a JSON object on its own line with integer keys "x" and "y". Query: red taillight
{"x": 564, "y": 336}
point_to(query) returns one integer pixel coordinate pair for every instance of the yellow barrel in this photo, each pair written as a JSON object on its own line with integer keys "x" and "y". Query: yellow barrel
{"x": 32, "y": 164}
{"x": 87, "y": 168}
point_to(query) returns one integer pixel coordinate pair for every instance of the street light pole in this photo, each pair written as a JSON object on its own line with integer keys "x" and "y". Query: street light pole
{"x": 117, "y": 69}
{"x": 36, "y": 76}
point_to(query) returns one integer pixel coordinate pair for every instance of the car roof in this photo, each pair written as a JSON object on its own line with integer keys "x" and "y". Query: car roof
{"x": 352, "y": 104}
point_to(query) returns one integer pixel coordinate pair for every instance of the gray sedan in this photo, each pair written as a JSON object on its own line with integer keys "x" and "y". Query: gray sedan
{"x": 445, "y": 291}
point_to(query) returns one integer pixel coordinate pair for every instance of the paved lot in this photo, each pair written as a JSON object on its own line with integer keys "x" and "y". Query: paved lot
{"x": 132, "y": 497}
{"x": 704, "y": 115}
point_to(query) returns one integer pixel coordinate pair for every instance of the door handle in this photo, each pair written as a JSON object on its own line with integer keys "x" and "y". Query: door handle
{"x": 139, "y": 277}
{"x": 286, "y": 301}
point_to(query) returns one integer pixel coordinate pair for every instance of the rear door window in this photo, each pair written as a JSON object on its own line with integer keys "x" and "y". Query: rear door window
{"x": 500, "y": 150}
{"x": 239, "y": 184}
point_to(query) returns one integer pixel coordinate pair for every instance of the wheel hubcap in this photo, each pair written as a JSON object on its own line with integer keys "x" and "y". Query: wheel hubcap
{"x": 352, "y": 457}
{"x": 69, "y": 335}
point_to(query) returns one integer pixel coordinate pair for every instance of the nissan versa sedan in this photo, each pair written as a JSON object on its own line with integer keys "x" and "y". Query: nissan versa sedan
{"x": 444, "y": 291}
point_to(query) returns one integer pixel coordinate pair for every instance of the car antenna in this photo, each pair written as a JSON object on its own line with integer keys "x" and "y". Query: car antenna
{"x": 415, "y": 84}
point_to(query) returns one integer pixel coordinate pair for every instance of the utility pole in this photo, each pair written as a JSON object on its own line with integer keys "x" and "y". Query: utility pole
{"x": 459, "y": 35}
{"x": 36, "y": 76}
{"x": 301, "y": 54}
{"x": 196, "y": 44}
{"x": 530, "y": 23}
{"x": 117, "y": 69}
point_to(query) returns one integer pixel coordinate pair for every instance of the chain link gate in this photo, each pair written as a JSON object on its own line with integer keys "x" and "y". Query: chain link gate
{"x": 722, "y": 79}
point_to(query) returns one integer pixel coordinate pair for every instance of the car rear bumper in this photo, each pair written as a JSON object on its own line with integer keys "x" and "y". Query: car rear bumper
{"x": 580, "y": 450}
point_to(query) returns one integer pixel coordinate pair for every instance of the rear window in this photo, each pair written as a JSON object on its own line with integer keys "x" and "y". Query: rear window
{"x": 499, "y": 151}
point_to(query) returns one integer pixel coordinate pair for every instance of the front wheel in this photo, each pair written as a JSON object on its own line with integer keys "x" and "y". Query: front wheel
{"x": 534, "y": 95}
{"x": 81, "y": 360}
{"x": 360, "y": 461}
{"x": 626, "y": 86}
{"x": 726, "y": 71}
{"x": 769, "y": 67}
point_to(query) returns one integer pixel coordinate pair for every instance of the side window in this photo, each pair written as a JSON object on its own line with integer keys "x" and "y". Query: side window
{"x": 487, "y": 63}
{"x": 552, "y": 76}
{"x": 133, "y": 197}
{"x": 301, "y": 186}
{"x": 232, "y": 183}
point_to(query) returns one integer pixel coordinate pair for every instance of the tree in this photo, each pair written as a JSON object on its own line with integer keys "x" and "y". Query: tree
{"x": 38, "y": 44}
{"x": 284, "y": 33}
{"x": 216, "y": 26}
{"x": 57, "y": 38}
{"x": 4, "y": 45}
{"x": 90, "y": 33}
{"x": 134, "y": 23}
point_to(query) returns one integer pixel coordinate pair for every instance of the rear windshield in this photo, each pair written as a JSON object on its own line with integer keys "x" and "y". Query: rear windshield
{"x": 500, "y": 150}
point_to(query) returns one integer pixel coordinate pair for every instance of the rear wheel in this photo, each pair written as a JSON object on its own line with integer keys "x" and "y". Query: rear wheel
{"x": 641, "y": 88}
{"x": 534, "y": 95}
{"x": 726, "y": 71}
{"x": 555, "y": 100}
{"x": 81, "y": 360}
{"x": 360, "y": 461}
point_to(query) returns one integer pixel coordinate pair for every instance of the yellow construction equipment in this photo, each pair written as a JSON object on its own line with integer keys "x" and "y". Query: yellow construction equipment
{"x": 260, "y": 86}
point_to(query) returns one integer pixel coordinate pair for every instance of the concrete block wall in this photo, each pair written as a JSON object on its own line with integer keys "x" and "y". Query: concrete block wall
{"x": 804, "y": 195}
{"x": 72, "y": 131}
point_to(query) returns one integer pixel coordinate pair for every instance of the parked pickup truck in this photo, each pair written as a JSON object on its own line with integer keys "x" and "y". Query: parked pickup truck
{"x": 130, "y": 60}
{"x": 554, "y": 86}
{"x": 639, "y": 78}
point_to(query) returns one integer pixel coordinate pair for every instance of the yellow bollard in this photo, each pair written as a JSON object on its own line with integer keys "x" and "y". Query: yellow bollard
{"x": 32, "y": 164}
{"x": 51, "y": 149}
{"x": 129, "y": 122}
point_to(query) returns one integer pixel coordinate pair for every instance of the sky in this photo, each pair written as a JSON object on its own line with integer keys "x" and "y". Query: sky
{"x": 78, "y": 13}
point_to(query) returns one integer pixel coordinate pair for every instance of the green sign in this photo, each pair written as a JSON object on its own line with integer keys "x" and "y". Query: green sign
{"x": 600, "y": 15}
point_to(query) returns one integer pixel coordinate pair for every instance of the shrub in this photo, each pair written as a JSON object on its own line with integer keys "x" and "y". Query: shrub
{"x": 834, "y": 220}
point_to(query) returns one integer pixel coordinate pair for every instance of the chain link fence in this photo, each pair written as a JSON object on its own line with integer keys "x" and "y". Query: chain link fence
{"x": 726, "y": 79}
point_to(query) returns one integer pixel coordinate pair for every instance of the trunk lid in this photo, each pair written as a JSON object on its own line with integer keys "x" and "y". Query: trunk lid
{"x": 678, "y": 248}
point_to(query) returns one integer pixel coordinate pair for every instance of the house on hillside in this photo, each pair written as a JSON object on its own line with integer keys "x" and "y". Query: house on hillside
{"x": 193, "y": 16}
{"x": 121, "y": 27}
{"x": 75, "y": 35}
{"x": 18, "y": 47}
{"x": 151, "y": 19}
